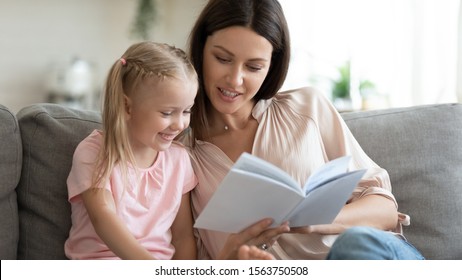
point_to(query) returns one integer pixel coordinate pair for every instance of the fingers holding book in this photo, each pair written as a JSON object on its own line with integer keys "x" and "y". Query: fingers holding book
{"x": 256, "y": 235}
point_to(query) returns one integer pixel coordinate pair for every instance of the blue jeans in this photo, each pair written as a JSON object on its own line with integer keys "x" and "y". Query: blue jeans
{"x": 365, "y": 243}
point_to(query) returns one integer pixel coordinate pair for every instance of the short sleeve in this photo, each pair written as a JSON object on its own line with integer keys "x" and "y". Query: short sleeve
{"x": 83, "y": 165}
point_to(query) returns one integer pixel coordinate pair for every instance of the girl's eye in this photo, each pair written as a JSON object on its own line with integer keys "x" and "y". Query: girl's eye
{"x": 166, "y": 113}
{"x": 187, "y": 112}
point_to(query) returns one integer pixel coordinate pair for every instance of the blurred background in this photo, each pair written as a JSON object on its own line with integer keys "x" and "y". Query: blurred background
{"x": 363, "y": 54}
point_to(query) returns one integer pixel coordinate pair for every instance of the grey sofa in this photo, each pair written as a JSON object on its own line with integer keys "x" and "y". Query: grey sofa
{"x": 421, "y": 147}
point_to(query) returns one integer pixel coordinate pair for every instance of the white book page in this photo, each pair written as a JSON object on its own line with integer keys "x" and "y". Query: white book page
{"x": 323, "y": 204}
{"x": 245, "y": 198}
{"x": 257, "y": 165}
{"x": 329, "y": 171}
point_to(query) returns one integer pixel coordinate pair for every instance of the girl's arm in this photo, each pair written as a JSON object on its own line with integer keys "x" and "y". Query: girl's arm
{"x": 101, "y": 209}
{"x": 182, "y": 232}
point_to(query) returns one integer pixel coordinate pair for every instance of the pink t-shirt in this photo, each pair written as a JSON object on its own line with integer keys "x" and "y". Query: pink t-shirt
{"x": 148, "y": 209}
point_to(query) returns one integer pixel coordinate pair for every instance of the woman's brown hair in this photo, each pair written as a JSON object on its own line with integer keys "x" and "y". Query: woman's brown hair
{"x": 267, "y": 19}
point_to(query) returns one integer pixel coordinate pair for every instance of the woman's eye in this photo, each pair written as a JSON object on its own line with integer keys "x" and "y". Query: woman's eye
{"x": 187, "y": 112}
{"x": 222, "y": 60}
{"x": 254, "y": 68}
{"x": 166, "y": 113}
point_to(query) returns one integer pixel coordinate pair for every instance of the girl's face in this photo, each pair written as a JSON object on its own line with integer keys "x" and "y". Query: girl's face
{"x": 158, "y": 111}
{"x": 236, "y": 62}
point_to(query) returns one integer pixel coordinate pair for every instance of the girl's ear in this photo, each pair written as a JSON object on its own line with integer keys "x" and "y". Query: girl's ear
{"x": 127, "y": 106}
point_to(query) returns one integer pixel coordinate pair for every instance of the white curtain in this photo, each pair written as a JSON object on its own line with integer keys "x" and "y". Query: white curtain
{"x": 407, "y": 48}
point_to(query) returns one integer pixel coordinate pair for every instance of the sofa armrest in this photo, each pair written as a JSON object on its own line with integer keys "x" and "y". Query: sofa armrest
{"x": 10, "y": 170}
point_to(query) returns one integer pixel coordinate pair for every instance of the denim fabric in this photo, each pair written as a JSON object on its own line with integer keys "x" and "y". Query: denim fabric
{"x": 365, "y": 243}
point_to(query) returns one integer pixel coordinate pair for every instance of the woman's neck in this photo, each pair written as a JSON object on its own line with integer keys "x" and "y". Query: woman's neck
{"x": 222, "y": 123}
{"x": 233, "y": 133}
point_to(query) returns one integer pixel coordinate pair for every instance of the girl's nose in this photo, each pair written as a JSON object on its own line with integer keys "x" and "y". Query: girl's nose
{"x": 180, "y": 122}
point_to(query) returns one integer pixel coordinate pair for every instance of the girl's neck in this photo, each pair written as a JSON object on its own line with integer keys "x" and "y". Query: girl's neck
{"x": 144, "y": 158}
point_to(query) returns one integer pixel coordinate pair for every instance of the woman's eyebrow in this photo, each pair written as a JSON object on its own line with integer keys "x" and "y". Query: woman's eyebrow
{"x": 231, "y": 54}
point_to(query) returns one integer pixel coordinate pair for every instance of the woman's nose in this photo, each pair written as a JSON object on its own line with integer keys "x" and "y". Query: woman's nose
{"x": 235, "y": 76}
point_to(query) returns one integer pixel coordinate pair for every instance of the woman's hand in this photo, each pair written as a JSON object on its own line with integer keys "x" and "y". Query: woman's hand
{"x": 257, "y": 235}
{"x": 320, "y": 229}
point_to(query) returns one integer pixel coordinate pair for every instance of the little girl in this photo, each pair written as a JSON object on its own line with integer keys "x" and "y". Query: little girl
{"x": 129, "y": 183}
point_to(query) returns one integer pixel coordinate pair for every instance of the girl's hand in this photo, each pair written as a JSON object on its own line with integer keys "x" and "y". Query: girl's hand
{"x": 257, "y": 235}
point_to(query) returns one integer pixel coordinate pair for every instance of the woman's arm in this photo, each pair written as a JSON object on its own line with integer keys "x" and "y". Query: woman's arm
{"x": 182, "y": 232}
{"x": 372, "y": 210}
{"x": 101, "y": 209}
{"x": 372, "y": 203}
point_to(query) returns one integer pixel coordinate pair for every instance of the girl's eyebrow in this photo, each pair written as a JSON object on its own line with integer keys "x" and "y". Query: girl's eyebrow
{"x": 173, "y": 107}
{"x": 231, "y": 54}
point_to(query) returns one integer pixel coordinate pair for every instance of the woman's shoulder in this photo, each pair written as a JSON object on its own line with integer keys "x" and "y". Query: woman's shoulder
{"x": 306, "y": 101}
{"x": 304, "y": 94}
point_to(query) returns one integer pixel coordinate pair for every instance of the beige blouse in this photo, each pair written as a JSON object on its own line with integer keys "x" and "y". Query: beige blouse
{"x": 298, "y": 131}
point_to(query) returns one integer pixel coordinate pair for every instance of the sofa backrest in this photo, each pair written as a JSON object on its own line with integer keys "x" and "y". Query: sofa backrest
{"x": 10, "y": 171}
{"x": 50, "y": 134}
{"x": 421, "y": 148}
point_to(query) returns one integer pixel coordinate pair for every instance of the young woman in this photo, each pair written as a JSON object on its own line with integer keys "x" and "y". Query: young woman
{"x": 241, "y": 51}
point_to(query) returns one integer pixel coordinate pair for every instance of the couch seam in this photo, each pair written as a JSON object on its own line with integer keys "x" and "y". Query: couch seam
{"x": 27, "y": 196}
{"x": 65, "y": 118}
{"x": 405, "y": 110}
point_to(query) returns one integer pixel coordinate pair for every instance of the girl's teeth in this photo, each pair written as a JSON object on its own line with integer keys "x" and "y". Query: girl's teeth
{"x": 166, "y": 136}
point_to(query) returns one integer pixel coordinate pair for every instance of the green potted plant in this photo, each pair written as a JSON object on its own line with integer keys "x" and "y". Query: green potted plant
{"x": 346, "y": 94}
{"x": 341, "y": 86}
{"x": 145, "y": 18}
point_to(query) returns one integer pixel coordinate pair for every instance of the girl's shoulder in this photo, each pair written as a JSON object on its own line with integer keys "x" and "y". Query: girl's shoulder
{"x": 89, "y": 147}
{"x": 177, "y": 151}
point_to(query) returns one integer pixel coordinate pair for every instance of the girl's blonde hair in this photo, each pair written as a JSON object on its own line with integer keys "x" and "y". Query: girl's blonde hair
{"x": 141, "y": 61}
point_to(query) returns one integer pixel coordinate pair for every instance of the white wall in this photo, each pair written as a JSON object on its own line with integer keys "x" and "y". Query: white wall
{"x": 37, "y": 34}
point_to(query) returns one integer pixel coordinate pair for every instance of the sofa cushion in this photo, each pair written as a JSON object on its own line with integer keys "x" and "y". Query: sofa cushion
{"x": 50, "y": 134}
{"x": 421, "y": 147}
{"x": 10, "y": 171}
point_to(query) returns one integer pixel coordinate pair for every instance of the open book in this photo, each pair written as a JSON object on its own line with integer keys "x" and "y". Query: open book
{"x": 255, "y": 189}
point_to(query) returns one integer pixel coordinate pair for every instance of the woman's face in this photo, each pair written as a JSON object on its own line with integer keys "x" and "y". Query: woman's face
{"x": 236, "y": 62}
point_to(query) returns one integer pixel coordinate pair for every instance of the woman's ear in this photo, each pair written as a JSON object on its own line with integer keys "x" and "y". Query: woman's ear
{"x": 127, "y": 106}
